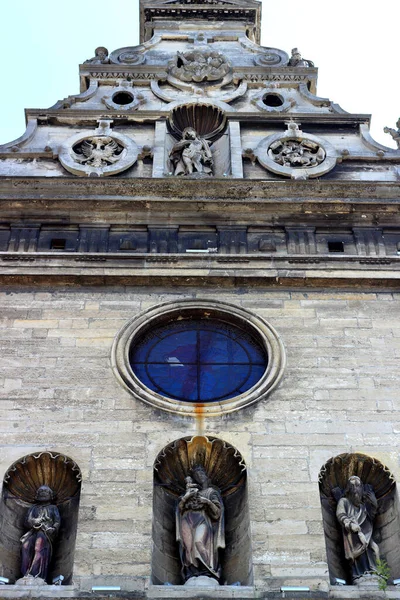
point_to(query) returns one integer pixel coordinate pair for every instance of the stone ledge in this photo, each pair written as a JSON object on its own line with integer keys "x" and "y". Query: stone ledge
{"x": 156, "y": 592}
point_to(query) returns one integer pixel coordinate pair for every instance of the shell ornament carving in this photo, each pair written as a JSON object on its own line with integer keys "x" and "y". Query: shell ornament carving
{"x": 57, "y": 471}
{"x": 222, "y": 462}
{"x": 209, "y": 121}
{"x": 336, "y": 472}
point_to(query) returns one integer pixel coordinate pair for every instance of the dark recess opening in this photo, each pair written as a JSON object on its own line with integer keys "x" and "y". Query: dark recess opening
{"x": 122, "y": 98}
{"x": 272, "y": 100}
{"x": 58, "y": 244}
{"x": 335, "y": 247}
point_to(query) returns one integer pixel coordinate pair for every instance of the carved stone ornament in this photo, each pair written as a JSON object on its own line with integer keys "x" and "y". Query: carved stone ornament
{"x": 127, "y": 56}
{"x": 100, "y": 57}
{"x": 395, "y": 133}
{"x": 200, "y": 65}
{"x": 296, "y": 154}
{"x": 296, "y": 60}
{"x": 191, "y": 155}
{"x": 267, "y": 59}
{"x": 100, "y": 154}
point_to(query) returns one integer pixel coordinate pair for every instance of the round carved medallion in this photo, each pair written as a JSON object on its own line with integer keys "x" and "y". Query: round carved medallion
{"x": 98, "y": 154}
{"x": 296, "y": 154}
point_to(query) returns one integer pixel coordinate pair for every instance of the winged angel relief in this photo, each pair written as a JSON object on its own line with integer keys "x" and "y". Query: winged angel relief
{"x": 98, "y": 152}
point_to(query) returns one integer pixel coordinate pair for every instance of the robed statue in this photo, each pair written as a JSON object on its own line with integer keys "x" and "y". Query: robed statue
{"x": 191, "y": 154}
{"x": 356, "y": 513}
{"x": 200, "y": 527}
{"x": 42, "y": 522}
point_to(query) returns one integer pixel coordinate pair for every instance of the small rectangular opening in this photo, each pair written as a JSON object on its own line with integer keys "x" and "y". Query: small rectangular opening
{"x": 127, "y": 245}
{"x": 335, "y": 247}
{"x": 58, "y": 244}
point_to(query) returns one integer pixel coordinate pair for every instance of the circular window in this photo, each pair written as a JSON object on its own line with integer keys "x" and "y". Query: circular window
{"x": 198, "y": 360}
{"x": 122, "y": 98}
{"x": 180, "y": 355}
{"x": 273, "y": 100}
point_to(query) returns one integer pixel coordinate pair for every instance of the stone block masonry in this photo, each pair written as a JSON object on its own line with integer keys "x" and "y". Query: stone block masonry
{"x": 339, "y": 394}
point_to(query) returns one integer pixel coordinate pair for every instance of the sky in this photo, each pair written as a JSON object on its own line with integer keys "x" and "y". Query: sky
{"x": 354, "y": 44}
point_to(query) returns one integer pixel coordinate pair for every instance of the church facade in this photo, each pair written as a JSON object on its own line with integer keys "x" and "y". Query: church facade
{"x": 199, "y": 259}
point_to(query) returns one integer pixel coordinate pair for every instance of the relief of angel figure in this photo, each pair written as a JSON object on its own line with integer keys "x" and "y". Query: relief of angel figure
{"x": 191, "y": 154}
{"x": 98, "y": 152}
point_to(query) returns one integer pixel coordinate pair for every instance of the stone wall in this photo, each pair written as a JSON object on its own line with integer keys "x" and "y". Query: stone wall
{"x": 339, "y": 394}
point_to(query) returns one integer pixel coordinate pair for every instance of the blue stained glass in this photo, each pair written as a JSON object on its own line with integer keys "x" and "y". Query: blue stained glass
{"x": 198, "y": 360}
{"x": 175, "y": 381}
{"x": 220, "y": 381}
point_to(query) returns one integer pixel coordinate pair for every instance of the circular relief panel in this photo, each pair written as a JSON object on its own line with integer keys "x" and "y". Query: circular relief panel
{"x": 98, "y": 155}
{"x": 296, "y": 154}
{"x": 184, "y": 355}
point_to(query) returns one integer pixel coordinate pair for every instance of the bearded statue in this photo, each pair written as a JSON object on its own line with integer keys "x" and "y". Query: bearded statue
{"x": 356, "y": 513}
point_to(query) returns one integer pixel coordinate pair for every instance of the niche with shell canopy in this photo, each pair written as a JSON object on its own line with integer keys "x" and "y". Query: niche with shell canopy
{"x": 333, "y": 478}
{"x": 20, "y": 484}
{"x": 210, "y": 123}
{"x": 226, "y": 470}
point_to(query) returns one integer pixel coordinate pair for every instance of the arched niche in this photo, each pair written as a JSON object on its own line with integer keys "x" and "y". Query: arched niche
{"x": 227, "y": 470}
{"x": 333, "y": 478}
{"x": 20, "y": 483}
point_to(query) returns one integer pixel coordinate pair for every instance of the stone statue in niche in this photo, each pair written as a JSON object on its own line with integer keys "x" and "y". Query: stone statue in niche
{"x": 100, "y": 57}
{"x": 296, "y": 60}
{"x": 42, "y": 522}
{"x": 97, "y": 151}
{"x": 200, "y": 528}
{"x": 395, "y": 133}
{"x": 296, "y": 153}
{"x": 200, "y": 65}
{"x": 192, "y": 153}
{"x": 356, "y": 513}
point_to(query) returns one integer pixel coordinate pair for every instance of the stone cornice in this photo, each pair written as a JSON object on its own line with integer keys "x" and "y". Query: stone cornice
{"x": 171, "y": 189}
{"x": 74, "y": 115}
{"x": 312, "y": 271}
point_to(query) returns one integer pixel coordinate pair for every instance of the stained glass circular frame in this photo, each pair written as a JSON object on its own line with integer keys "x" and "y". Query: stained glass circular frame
{"x": 202, "y": 332}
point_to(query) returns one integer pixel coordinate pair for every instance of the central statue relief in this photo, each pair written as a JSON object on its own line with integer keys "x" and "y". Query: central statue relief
{"x": 200, "y": 527}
